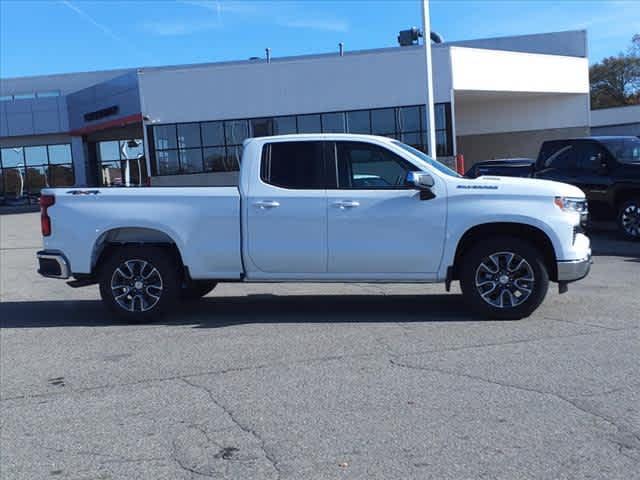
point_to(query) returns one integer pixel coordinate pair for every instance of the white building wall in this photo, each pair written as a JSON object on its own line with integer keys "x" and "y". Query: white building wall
{"x": 521, "y": 112}
{"x": 477, "y": 69}
{"x": 314, "y": 84}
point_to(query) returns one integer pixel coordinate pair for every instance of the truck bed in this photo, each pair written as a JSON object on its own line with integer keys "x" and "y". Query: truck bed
{"x": 203, "y": 223}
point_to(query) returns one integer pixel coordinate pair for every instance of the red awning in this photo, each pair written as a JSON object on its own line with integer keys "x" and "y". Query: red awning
{"x": 118, "y": 122}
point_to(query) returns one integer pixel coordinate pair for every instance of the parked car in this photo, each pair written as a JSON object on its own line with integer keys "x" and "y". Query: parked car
{"x": 325, "y": 208}
{"x": 507, "y": 167}
{"x": 607, "y": 169}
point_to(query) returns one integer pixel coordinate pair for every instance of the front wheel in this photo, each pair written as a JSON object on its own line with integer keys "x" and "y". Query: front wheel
{"x": 629, "y": 219}
{"x": 139, "y": 284}
{"x": 504, "y": 278}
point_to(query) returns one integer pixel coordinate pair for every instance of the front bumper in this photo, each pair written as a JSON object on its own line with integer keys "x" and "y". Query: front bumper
{"x": 53, "y": 265}
{"x": 572, "y": 270}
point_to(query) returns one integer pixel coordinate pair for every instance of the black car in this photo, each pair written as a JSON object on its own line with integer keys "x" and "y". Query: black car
{"x": 506, "y": 167}
{"x": 607, "y": 169}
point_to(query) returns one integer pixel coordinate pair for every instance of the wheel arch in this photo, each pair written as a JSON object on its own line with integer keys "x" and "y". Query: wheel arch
{"x": 116, "y": 237}
{"x": 528, "y": 233}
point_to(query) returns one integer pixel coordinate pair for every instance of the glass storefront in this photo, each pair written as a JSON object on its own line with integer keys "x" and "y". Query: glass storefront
{"x": 24, "y": 171}
{"x": 122, "y": 163}
{"x": 216, "y": 146}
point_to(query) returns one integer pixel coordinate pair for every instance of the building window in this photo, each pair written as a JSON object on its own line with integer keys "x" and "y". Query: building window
{"x": 444, "y": 137}
{"x": 236, "y": 131}
{"x": 122, "y": 163}
{"x": 165, "y": 137}
{"x": 359, "y": 121}
{"x": 333, "y": 123}
{"x": 191, "y": 160}
{"x": 383, "y": 121}
{"x": 409, "y": 119}
{"x": 284, "y": 125}
{"x": 215, "y": 160}
{"x": 212, "y": 134}
{"x": 309, "y": 124}
{"x": 24, "y": 96}
{"x": 216, "y": 146}
{"x": 25, "y": 171}
{"x": 189, "y": 135}
{"x": 261, "y": 127}
{"x": 48, "y": 94}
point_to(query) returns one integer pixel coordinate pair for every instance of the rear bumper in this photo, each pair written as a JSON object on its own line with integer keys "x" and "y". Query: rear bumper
{"x": 570, "y": 271}
{"x": 53, "y": 265}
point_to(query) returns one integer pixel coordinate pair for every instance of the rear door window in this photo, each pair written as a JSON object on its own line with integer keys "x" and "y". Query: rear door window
{"x": 294, "y": 165}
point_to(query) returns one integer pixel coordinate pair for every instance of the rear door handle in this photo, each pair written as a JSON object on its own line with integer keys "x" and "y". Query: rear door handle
{"x": 344, "y": 204}
{"x": 265, "y": 204}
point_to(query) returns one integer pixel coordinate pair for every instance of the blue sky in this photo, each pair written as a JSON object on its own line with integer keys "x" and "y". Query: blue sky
{"x": 40, "y": 37}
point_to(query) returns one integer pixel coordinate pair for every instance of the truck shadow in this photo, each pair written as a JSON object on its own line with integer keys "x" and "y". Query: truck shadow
{"x": 216, "y": 312}
{"x": 607, "y": 241}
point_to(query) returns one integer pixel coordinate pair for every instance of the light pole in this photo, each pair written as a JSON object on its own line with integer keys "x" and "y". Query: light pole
{"x": 430, "y": 117}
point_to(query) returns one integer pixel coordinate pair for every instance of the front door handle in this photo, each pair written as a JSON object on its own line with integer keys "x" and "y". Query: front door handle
{"x": 344, "y": 204}
{"x": 265, "y": 204}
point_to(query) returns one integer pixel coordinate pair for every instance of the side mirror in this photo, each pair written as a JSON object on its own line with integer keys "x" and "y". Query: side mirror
{"x": 419, "y": 180}
{"x": 423, "y": 182}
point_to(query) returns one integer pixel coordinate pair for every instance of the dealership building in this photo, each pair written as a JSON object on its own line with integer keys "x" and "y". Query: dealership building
{"x": 185, "y": 124}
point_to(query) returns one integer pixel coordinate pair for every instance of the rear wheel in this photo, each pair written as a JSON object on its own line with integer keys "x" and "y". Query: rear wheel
{"x": 504, "y": 278}
{"x": 139, "y": 284}
{"x": 196, "y": 289}
{"x": 629, "y": 219}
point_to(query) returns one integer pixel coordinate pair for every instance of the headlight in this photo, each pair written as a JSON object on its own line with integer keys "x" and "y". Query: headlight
{"x": 572, "y": 204}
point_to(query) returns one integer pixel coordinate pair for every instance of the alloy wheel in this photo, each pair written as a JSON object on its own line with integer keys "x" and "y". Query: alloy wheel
{"x": 136, "y": 285}
{"x": 630, "y": 219}
{"x": 504, "y": 280}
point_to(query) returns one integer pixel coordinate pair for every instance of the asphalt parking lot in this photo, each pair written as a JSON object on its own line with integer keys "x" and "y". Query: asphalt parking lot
{"x": 319, "y": 381}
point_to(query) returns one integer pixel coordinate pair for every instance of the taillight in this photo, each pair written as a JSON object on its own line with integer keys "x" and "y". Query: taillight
{"x": 45, "y": 222}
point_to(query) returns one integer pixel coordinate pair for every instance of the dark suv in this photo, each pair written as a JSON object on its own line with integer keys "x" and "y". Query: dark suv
{"x": 607, "y": 169}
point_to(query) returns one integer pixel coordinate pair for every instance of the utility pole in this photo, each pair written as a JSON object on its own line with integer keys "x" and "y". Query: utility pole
{"x": 430, "y": 118}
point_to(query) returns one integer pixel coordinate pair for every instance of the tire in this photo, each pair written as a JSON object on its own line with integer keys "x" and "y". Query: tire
{"x": 629, "y": 219}
{"x": 150, "y": 277}
{"x": 196, "y": 289}
{"x": 510, "y": 289}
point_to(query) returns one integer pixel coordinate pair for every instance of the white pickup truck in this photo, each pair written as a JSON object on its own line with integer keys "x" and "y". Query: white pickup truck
{"x": 321, "y": 208}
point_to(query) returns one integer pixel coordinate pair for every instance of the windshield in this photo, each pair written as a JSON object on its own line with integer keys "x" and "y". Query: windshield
{"x": 423, "y": 157}
{"x": 625, "y": 150}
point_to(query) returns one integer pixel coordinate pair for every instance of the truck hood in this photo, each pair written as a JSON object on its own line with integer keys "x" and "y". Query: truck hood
{"x": 520, "y": 186}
